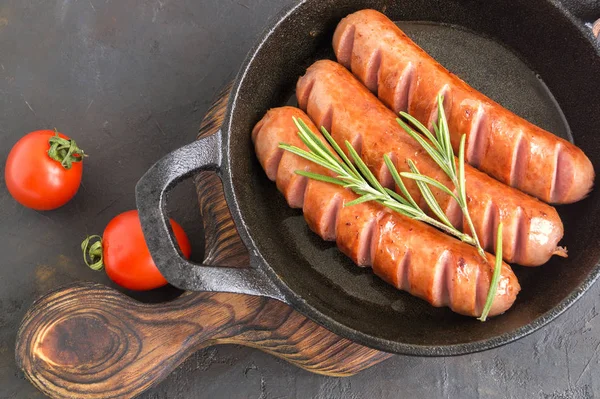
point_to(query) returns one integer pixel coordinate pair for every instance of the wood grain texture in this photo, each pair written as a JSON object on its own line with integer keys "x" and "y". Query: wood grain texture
{"x": 89, "y": 341}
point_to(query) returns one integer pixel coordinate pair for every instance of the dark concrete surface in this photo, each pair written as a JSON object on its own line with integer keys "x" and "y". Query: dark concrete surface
{"x": 131, "y": 80}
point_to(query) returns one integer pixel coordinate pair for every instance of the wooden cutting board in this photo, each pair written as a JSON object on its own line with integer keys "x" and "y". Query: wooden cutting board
{"x": 86, "y": 340}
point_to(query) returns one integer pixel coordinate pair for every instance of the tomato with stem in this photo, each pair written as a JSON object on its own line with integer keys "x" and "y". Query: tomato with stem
{"x": 123, "y": 253}
{"x": 43, "y": 170}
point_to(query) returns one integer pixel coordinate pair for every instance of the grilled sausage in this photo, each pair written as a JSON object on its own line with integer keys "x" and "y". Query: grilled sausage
{"x": 444, "y": 271}
{"x": 333, "y": 98}
{"x": 499, "y": 142}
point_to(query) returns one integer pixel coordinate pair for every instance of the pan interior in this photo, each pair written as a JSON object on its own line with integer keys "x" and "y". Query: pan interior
{"x": 328, "y": 281}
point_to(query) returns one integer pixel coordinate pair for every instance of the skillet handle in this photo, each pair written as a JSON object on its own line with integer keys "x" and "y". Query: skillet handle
{"x": 151, "y": 193}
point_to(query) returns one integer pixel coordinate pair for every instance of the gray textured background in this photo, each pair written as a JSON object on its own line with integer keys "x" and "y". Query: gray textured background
{"x": 131, "y": 80}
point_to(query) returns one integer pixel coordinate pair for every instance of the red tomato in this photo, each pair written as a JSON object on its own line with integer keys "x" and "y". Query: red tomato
{"x": 37, "y": 181}
{"x": 126, "y": 257}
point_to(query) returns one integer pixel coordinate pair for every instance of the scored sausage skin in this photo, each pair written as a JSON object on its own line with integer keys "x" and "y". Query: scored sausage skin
{"x": 500, "y": 143}
{"x": 407, "y": 254}
{"x": 335, "y": 99}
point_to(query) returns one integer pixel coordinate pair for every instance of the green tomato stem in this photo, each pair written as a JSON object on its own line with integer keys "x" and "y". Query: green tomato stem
{"x": 64, "y": 151}
{"x": 93, "y": 254}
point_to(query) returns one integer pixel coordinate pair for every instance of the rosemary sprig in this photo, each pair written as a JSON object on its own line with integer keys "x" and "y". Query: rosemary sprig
{"x": 354, "y": 174}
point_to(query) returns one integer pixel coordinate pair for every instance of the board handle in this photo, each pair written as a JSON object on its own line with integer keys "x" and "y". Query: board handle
{"x": 90, "y": 341}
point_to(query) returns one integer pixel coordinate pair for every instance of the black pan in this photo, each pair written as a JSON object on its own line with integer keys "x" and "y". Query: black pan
{"x": 536, "y": 57}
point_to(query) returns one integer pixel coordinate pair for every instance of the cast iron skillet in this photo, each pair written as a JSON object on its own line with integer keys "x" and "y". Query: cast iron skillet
{"x": 503, "y": 48}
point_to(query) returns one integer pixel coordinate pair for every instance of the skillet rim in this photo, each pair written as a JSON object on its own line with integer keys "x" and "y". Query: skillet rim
{"x": 297, "y": 302}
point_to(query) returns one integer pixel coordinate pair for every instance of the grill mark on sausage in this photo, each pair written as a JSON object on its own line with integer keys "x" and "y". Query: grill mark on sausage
{"x": 356, "y": 143}
{"x": 524, "y": 227}
{"x": 440, "y": 289}
{"x": 454, "y": 213}
{"x": 330, "y": 218}
{"x": 563, "y": 169}
{"x": 326, "y": 119}
{"x": 403, "y": 89}
{"x": 445, "y": 281}
{"x": 518, "y": 243}
{"x": 385, "y": 176}
{"x": 365, "y": 245}
{"x": 321, "y": 213}
{"x": 446, "y": 103}
{"x": 296, "y": 190}
{"x": 271, "y": 164}
{"x": 480, "y": 292}
{"x": 421, "y": 201}
{"x": 375, "y": 238}
{"x": 304, "y": 93}
{"x": 519, "y": 161}
{"x": 450, "y": 281}
{"x": 553, "y": 189}
{"x": 477, "y": 138}
{"x": 490, "y": 227}
{"x": 346, "y": 45}
{"x": 373, "y": 71}
{"x": 275, "y": 161}
{"x": 404, "y": 272}
{"x": 257, "y": 129}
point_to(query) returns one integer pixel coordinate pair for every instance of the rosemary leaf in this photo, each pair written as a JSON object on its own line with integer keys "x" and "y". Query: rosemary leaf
{"x": 432, "y": 203}
{"x": 317, "y": 176}
{"x": 439, "y": 127}
{"x": 438, "y": 134}
{"x": 399, "y": 182}
{"x": 316, "y": 146}
{"x": 397, "y": 197}
{"x": 431, "y": 182}
{"x": 421, "y": 128}
{"x": 429, "y": 198}
{"x": 309, "y": 156}
{"x": 305, "y": 130}
{"x": 307, "y": 134}
{"x": 402, "y": 209}
{"x": 495, "y": 277}
{"x": 350, "y": 179}
{"x": 360, "y": 200}
{"x": 445, "y": 132}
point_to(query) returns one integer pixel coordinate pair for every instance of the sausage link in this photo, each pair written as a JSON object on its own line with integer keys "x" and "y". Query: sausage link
{"x": 407, "y": 254}
{"x": 499, "y": 143}
{"x": 336, "y": 100}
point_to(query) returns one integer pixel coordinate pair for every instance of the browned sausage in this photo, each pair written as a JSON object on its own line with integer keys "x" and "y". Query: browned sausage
{"x": 335, "y": 99}
{"x": 499, "y": 142}
{"x": 444, "y": 272}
